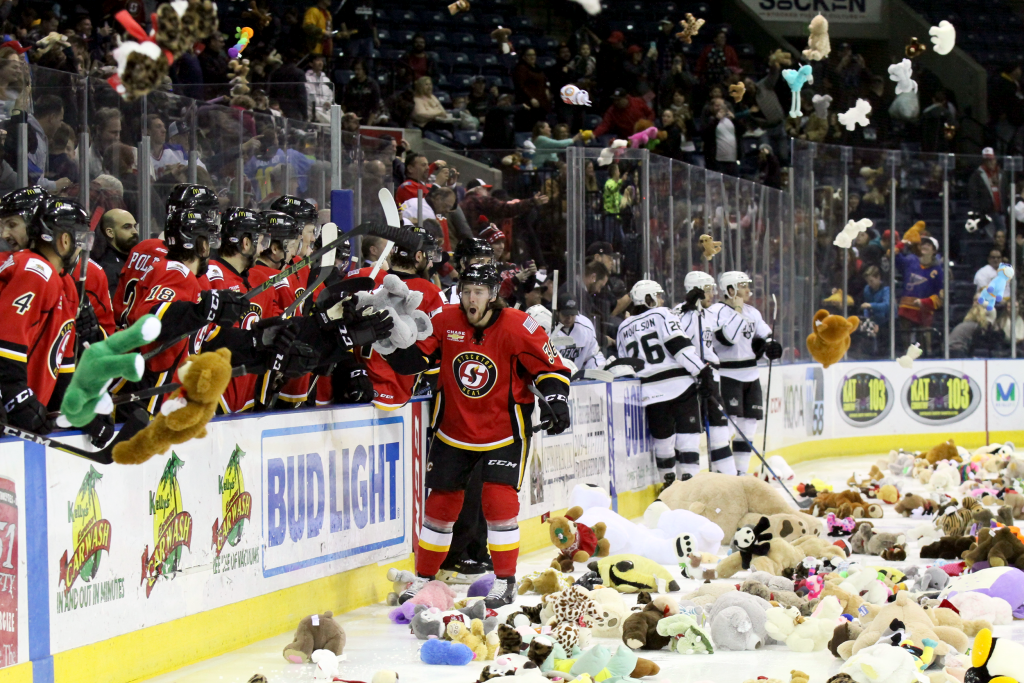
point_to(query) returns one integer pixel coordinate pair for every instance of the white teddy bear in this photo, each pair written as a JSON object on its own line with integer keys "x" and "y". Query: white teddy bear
{"x": 972, "y": 605}
{"x": 804, "y": 635}
{"x": 327, "y": 666}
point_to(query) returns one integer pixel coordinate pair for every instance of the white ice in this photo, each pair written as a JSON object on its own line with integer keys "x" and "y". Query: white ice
{"x": 375, "y": 643}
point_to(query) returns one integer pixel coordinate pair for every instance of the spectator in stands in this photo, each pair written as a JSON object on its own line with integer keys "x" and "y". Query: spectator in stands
{"x": 479, "y": 202}
{"x": 717, "y": 61}
{"x": 1003, "y": 324}
{"x": 681, "y": 133}
{"x": 316, "y": 24}
{"x": 480, "y": 99}
{"x": 766, "y": 111}
{"x": 1000, "y": 245}
{"x": 611, "y": 202}
{"x": 44, "y": 122}
{"x": 167, "y": 162}
{"x": 359, "y": 31}
{"x": 616, "y": 290}
{"x": 106, "y": 130}
{"x": 548, "y": 148}
{"x": 531, "y": 89}
{"x": 639, "y": 71}
{"x": 621, "y": 117}
{"x": 970, "y": 333}
{"x": 213, "y": 60}
{"x": 417, "y": 172}
{"x": 1006, "y": 108}
{"x": 988, "y": 188}
{"x": 64, "y": 153}
{"x": 372, "y": 248}
{"x": 417, "y": 60}
{"x": 390, "y": 151}
{"x": 721, "y": 139}
{"x": 121, "y": 161}
{"x": 676, "y": 79}
{"x": 848, "y": 70}
{"x": 769, "y": 170}
{"x": 288, "y": 86}
{"x": 934, "y": 120}
{"x": 361, "y": 95}
{"x": 499, "y": 129}
{"x": 983, "y": 278}
{"x": 610, "y": 60}
{"x": 319, "y": 91}
{"x": 120, "y": 233}
{"x": 427, "y": 112}
{"x": 922, "y": 292}
{"x": 187, "y": 75}
{"x": 435, "y": 206}
{"x": 667, "y": 45}
{"x": 583, "y": 68}
{"x": 876, "y": 300}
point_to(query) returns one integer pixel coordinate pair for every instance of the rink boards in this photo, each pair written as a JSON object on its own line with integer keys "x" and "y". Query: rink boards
{"x": 235, "y": 537}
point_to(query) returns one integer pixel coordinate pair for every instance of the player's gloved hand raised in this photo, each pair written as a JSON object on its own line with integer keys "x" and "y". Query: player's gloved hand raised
{"x": 773, "y": 350}
{"x": 706, "y": 382}
{"x": 100, "y": 430}
{"x": 368, "y": 326}
{"x": 285, "y": 353}
{"x": 555, "y": 414}
{"x": 87, "y": 327}
{"x": 692, "y": 297}
{"x": 26, "y": 412}
{"x": 222, "y": 306}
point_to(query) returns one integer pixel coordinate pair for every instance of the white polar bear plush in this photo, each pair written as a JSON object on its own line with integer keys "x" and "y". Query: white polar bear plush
{"x": 658, "y": 544}
{"x": 883, "y": 663}
{"x": 804, "y": 635}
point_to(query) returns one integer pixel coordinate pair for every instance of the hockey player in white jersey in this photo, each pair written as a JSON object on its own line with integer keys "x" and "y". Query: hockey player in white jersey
{"x": 672, "y": 374}
{"x": 738, "y": 353}
{"x": 585, "y": 354}
{"x": 701, "y": 321}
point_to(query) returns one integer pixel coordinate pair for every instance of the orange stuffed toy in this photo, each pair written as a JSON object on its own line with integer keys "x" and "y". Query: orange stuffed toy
{"x": 183, "y": 417}
{"x": 831, "y": 337}
{"x": 914, "y": 234}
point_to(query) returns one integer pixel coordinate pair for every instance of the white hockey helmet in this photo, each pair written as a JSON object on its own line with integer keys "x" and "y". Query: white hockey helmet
{"x": 541, "y": 315}
{"x": 699, "y": 279}
{"x": 642, "y": 289}
{"x": 732, "y": 278}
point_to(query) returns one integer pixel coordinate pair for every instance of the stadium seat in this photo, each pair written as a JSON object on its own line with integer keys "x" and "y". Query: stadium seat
{"x": 402, "y": 37}
{"x": 392, "y": 54}
{"x": 403, "y": 16}
{"x": 430, "y": 18}
{"x": 444, "y": 98}
{"x": 521, "y": 41}
{"x": 384, "y": 35}
{"x": 435, "y": 38}
{"x": 465, "y": 19}
{"x": 461, "y": 40}
{"x": 591, "y": 121}
{"x": 343, "y": 76}
{"x": 494, "y": 20}
{"x": 546, "y": 43}
{"x": 546, "y": 62}
{"x": 486, "y": 60}
{"x": 455, "y": 58}
{"x": 468, "y": 138}
{"x": 461, "y": 81}
{"x": 521, "y": 139}
{"x": 520, "y": 23}
{"x": 380, "y": 15}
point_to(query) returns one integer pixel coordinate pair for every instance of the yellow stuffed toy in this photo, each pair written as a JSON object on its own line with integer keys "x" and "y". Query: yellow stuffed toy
{"x": 183, "y": 417}
{"x": 831, "y": 337}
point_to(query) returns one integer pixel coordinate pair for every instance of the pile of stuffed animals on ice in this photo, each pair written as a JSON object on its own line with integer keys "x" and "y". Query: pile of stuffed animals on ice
{"x": 930, "y": 622}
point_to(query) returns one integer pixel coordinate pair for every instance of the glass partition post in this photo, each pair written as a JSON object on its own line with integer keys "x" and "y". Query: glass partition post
{"x": 144, "y": 174}
{"x": 1014, "y": 164}
{"x": 575, "y": 216}
{"x": 83, "y": 148}
{"x": 847, "y": 156}
{"x": 22, "y": 149}
{"x": 240, "y": 163}
{"x": 948, "y": 162}
{"x": 359, "y": 183}
{"x": 287, "y": 160}
{"x": 335, "y": 146}
{"x": 813, "y": 236}
{"x": 671, "y": 233}
{"x": 782, "y": 238}
{"x": 689, "y": 220}
{"x": 893, "y": 160}
{"x": 645, "y": 210}
{"x": 193, "y": 146}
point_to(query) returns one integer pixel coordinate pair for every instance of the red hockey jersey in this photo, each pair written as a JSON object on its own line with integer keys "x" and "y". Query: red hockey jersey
{"x": 141, "y": 259}
{"x": 99, "y": 296}
{"x": 38, "y": 306}
{"x": 483, "y": 383}
{"x": 285, "y": 292}
{"x": 164, "y": 283}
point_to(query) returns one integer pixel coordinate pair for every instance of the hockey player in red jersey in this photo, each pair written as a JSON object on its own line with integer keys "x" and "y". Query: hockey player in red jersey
{"x": 489, "y": 356}
{"x": 38, "y": 303}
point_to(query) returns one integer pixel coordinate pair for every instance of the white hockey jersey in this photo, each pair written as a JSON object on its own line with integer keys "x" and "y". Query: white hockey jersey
{"x": 670, "y": 360}
{"x": 586, "y": 354}
{"x": 716, "y": 318}
{"x": 733, "y": 344}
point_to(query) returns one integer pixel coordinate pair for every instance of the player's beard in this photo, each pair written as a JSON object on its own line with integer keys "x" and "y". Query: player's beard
{"x": 474, "y": 314}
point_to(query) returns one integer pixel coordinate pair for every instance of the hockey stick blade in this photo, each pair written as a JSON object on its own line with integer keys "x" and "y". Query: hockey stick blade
{"x": 329, "y": 234}
{"x": 101, "y": 456}
{"x": 141, "y": 394}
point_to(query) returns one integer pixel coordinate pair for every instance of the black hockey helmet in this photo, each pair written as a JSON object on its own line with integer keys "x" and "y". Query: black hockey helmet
{"x": 238, "y": 223}
{"x": 58, "y": 216}
{"x": 196, "y": 197}
{"x": 24, "y": 202}
{"x": 430, "y": 246}
{"x": 480, "y": 274}
{"x": 471, "y": 247}
{"x": 414, "y": 240}
{"x": 185, "y": 226}
{"x": 281, "y": 226}
{"x": 296, "y": 207}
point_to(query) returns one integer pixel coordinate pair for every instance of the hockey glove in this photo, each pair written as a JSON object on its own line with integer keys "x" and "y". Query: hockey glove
{"x": 706, "y": 382}
{"x": 368, "y": 326}
{"x": 357, "y": 387}
{"x": 222, "y": 306}
{"x": 26, "y": 412}
{"x": 692, "y": 297}
{"x": 100, "y": 430}
{"x": 773, "y": 350}
{"x": 87, "y": 327}
{"x": 757, "y": 345}
{"x": 555, "y": 413}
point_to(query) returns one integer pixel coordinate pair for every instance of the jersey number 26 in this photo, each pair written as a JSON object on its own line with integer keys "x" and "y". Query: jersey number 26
{"x": 652, "y": 350}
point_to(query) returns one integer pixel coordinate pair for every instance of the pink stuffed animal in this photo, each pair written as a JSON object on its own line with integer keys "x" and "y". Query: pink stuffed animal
{"x": 838, "y": 526}
{"x": 435, "y": 594}
{"x": 645, "y": 136}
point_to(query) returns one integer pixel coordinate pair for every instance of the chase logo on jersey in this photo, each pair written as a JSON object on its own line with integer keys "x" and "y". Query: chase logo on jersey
{"x": 59, "y": 348}
{"x": 475, "y": 374}
{"x": 456, "y": 336}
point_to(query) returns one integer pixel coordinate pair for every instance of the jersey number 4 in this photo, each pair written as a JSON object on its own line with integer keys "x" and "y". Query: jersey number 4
{"x": 23, "y": 302}
{"x": 652, "y": 350}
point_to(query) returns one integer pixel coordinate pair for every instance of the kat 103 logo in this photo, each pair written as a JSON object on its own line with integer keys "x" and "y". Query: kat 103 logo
{"x": 235, "y": 504}
{"x": 172, "y": 527}
{"x": 940, "y": 396}
{"x": 865, "y": 398}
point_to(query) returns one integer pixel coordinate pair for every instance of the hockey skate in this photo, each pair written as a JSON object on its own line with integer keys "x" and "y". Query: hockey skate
{"x": 462, "y": 573}
{"x": 669, "y": 480}
{"x": 502, "y": 593}
{"x": 415, "y": 587}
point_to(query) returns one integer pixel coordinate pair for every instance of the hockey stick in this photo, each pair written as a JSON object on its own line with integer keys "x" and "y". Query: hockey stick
{"x": 329, "y": 233}
{"x": 768, "y": 394}
{"x": 701, "y": 401}
{"x": 544, "y": 402}
{"x": 103, "y": 456}
{"x": 739, "y": 431}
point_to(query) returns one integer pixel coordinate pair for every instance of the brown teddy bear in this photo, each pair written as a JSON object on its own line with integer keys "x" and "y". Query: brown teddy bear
{"x": 917, "y": 624}
{"x": 640, "y": 630}
{"x": 759, "y": 551}
{"x": 845, "y": 504}
{"x": 576, "y": 542}
{"x": 710, "y": 246}
{"x": 184, "y": 415}
{"x": 947, "y": 548}
{"x": 998, "y": 547}
{"x": 818, "y": 45}
{"x": 944, "y": 451}
{"x": 831, "y": 337}
{"x": 911, "y": 502}
{"x": 315, "y": 632}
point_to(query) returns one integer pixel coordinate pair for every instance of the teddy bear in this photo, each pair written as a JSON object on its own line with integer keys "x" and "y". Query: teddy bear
{"x": 315, "y": 632}
{"x": 327, "y": 665}
{"x": 999, "y": 547}
{"x": 400, "y": 580}
{"x": 917, "y": 624}
{"x": 947, "y": 548}
{"x": 818, "y": 44}
{"x": 101, "y": 363}
{"x": 599, "y": 664}
{"x": 411, "y": 324}
{"x": 912, "y": 502}
{"x": 866, "y": 584}
{"x": 866, "y": 541}
{"x": 611, "y": 613}
{"x": 708, "y": 593}
{"x": 1015, "y": 501}
{"x": 889, "y": 494}
{"x": 570, "y": 609}
{"x": 640, "y": 632}
{"x": 575, "y": 542}
{"x": 771, "y": 555}
{"x": 782, "y": 596}
{"x": 685, "y": 635}
{"x": 444, "y": 652}
{"x": 710, "y": 246}
{"x": 737, "y": 91}
{"x": 665, "y": 536}
{"x": 830, "y": 340}
{"x": 961, "y": 616}
{"x": 812, "y": 546}
{"x": 690, "y": 26}
{"x": 184, "y": 415}
{"x": 931, "y": 579}
{"x": 737, "y": 621}
{"x": 545, "y": 582}
{"x": 787, "y": 625}
{"x": 845, "y": 504}
{"x": 943, "y": 451}
{"x": 881, "y": 663}
{"x": 472, "y": 636}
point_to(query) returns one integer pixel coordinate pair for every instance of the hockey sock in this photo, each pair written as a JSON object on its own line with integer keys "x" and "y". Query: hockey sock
{"x": 741, "y": 447}
{"x": 726, "y": 465}
{"x": 719, "y": 452}
{"x": 664, "y": 456}
{"x": 501, "y": 510}
{"x": 439, "y": 516}
{"x": 687, "y": 454}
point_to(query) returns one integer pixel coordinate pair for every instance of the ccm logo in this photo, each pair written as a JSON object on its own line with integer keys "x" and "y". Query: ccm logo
{"x": 502, "y": 463}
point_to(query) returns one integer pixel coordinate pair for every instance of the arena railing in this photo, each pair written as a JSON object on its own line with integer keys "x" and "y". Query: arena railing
{"x": 951, "y": 194}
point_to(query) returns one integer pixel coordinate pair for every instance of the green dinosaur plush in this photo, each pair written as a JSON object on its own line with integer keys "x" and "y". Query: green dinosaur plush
{"x": 101, "y": 363}
{"x": 688, "y": 638}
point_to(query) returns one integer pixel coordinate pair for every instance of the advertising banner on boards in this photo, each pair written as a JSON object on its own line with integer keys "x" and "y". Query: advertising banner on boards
{"x": 13, "y": 558}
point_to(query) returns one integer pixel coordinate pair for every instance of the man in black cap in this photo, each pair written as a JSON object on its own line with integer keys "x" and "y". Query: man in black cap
{"x": 585, "y": 353}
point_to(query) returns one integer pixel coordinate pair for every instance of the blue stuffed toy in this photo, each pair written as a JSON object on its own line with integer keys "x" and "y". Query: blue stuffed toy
{"x": 993, "y": 294}
{"x": 436, "y": 651}
{"x": 797, "y": 78}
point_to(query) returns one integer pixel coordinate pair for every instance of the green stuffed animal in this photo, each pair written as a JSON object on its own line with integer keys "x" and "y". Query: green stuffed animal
{"x": 688, "y": 638}
{"x": 601, "y": 665}
{"x": 101, "y": 363}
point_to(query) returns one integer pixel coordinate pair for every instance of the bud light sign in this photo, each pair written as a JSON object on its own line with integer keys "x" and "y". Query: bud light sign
{"x": 333, "y": 491}
{"x": 633, "y": 464}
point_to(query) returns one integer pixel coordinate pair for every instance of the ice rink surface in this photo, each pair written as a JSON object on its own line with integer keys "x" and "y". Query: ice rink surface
{"x": 375, "y": 643}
